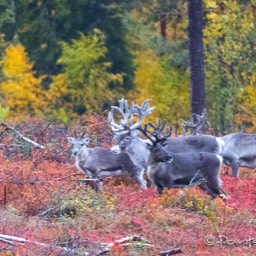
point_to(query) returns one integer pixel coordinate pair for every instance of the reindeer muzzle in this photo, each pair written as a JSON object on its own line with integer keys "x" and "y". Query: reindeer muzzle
{"x": 116, "y": 149}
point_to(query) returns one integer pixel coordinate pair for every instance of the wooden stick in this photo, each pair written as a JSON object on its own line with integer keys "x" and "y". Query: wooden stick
{"x": 21, "y": 135}
{"x": 171, "y": 252}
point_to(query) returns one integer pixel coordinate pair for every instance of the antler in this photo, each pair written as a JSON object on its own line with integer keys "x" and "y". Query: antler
{"x": 126, "y": 114}
{"x": 84, "y": 132}
{"x": 126, "y": 122}
{"x": 195, "y": 124}
{"x": 157, "y": 132}
{"x": 147, "y": 133}
{"x": 142, "y": 112}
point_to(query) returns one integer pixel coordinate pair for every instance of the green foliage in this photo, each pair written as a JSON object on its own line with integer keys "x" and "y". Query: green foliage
{"x": 194, "y": 200}
{"x": 83, "y": 87}
{"x": 167, "y": 86}
{"x": 3, "y": 113}
{"x": 43, "y": 24}
{"x": 7, "y": 18}
{"x": 230, "y": 58}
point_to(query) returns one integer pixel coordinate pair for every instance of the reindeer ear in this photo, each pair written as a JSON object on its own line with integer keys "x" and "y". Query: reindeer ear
{"x": 86, "y": 140}
{"x": 70, "y": 139}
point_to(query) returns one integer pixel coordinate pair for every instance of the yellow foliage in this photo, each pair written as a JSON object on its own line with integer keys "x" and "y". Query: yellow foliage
{"x": 165, "y": 85}
{"x": 21, "y": 88}
{"x": 246, "y": 109}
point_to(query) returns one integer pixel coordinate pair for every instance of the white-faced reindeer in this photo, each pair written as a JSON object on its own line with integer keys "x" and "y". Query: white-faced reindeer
{"x": 167, "y": 170}
{"x": 126, "y": 135}
{"x": 100, "y": 162}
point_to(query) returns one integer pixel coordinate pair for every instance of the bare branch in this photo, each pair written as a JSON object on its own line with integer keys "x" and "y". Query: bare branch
{"x": 171, "y": 252}
{"x": 21, "y": 135}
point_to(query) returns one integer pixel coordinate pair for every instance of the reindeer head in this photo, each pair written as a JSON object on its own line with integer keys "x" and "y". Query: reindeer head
{"x": 156, "y": 142}
{"x": 78, "y": 143}
{"x": 126, "y": 133}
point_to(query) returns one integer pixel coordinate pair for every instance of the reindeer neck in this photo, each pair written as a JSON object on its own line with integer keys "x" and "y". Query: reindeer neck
{"x": 83, "y": 154}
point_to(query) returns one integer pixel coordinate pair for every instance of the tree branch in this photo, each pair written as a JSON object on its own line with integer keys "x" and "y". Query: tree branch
{"x": 21, "y": 135}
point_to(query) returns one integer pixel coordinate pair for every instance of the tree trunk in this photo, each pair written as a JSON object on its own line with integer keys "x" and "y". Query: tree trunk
{"x": 163, "y": 26}
{"x": 196, "y": 51}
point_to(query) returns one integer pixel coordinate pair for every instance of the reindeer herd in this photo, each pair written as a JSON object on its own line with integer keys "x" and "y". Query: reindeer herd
{"x": 168, "y": 162}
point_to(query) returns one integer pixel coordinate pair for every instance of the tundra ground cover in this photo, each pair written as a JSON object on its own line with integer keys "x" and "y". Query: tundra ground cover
{"x": 41, "y": 202}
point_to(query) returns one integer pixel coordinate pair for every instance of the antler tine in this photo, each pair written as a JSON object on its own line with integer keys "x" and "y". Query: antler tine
{"x": 168, "y": 133}
{"x": 84, "y": 132}
{"x": 114, "y": 126}
{"x": 141, "y": 112}
{"x": 195, "y": 123}
{"x": 126, "y": 116}
{"x": 145, "y": 132}
{"x": 145, "y": 106}
{"x": 75, "y": 133}
{"x": 158, "y": 130}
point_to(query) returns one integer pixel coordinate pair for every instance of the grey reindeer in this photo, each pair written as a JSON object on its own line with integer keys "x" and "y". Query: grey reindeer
{"x": 167, "y": 170}
{"x": 128, "y": 138}
{"x": 101, "y": 162}
{"x": 238, "y": 150}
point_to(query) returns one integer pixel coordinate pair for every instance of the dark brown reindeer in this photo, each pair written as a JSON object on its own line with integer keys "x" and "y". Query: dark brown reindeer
{"x": 167, "y": 170}
{"x": 99, "y": 162}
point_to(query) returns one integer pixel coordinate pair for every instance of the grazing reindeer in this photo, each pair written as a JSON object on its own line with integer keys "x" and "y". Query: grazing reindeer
{"x": 166, "y": 170}
{"x": 101, "y": 162}
{"x": 239, "y": 151}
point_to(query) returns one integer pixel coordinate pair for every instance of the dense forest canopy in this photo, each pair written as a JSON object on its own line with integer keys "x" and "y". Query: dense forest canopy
{"x": 61, "y": 59}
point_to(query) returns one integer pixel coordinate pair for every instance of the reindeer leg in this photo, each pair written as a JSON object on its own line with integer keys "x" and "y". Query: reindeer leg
{"x": 235, "y": 169}
{"x": 99, "y": 184}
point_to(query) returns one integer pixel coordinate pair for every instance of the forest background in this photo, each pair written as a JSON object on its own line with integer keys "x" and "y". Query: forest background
{"x": 62, "y": 59}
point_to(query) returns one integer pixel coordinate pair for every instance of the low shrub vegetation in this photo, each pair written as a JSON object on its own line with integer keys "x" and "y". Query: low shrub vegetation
{"x": 42, "y": 203}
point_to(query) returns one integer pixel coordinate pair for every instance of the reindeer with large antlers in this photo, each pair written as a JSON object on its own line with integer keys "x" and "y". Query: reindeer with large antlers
{"x": 100, "y": 162}
{"x": 196, "y": 125}
{"x": 128, "y": 139}
{"x": 126, "y": 134}
{"x": 167, "y": 170}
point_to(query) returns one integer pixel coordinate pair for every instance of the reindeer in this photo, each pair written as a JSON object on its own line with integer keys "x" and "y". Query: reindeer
{"x": 128, "y": 140}
{"x": 239, "y": 151}
{"x": 126, "y": 135}
{"x": 167, "y": 170}
{"x": 100, "y": 162}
